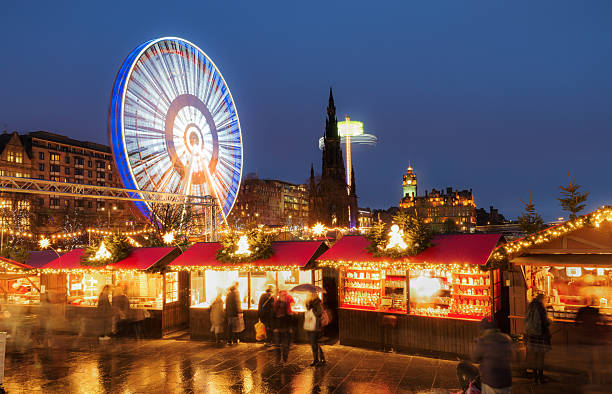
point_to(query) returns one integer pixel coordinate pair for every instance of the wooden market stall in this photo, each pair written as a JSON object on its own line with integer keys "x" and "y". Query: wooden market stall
{"x": 571, "y": 264}
{"x": 19, "y": 284}
{"x": 19, "y": 298}
{"x": 291, "y": 264}
{"x": 74, "y": 288}
{"x": 429, "y": 303}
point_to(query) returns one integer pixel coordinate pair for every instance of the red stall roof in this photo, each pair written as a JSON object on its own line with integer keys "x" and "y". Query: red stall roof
{"x": 447, "y": 249}
{"x": 286, "y": 254}
{"x": 14, "y": 263}
{"x": 138, "y": 259}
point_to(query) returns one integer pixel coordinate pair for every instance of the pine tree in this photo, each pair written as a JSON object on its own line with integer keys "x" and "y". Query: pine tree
{"x": 530, "y": 221}
{"x": 572, "y": 200}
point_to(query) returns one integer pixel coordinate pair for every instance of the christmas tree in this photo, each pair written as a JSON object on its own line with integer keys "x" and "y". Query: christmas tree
{"x": 572, "y": 200}
{"x": 530, "y": 221}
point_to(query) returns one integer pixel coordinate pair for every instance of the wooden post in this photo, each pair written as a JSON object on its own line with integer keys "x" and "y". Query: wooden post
{"x": 249, "y": 290}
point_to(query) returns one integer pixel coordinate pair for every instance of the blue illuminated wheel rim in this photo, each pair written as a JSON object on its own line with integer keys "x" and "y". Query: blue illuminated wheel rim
{"x": 173, "y": 124}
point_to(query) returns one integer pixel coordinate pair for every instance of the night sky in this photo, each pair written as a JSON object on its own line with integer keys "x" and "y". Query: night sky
{"x": 501, "y": 97}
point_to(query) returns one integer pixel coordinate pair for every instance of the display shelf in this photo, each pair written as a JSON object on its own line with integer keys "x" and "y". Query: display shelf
{"x": 471, "y": 295}
{"x": 363, "y": 279}
{"x": 361, "y": 288}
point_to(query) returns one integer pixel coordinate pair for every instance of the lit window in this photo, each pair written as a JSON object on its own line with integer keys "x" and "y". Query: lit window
{"x": 10, "y": 156}
{"x": 171, "y": 287}
{"x": 18, "y": 157}
{"x": 54, "y": 157}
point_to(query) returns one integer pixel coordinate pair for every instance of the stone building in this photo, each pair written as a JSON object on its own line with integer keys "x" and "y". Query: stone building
{"x": 270, "y": 202}
{"x": 53, "y": 157}
{"x": 331, "y": 201}
{"x": 455, "y": 207}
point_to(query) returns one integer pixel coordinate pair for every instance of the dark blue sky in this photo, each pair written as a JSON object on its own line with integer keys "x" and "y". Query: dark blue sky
{"x": 500, "y": 97}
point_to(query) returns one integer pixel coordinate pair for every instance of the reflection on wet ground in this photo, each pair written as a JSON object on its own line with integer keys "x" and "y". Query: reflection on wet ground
{"x": 175, "y": 366}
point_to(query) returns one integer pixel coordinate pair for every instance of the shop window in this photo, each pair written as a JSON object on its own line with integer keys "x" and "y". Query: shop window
{"x": 569, "y": 288}
{"x": 171, "y": 287}
{"x": 22, "y": 291}
{"x": 144, "y": 290}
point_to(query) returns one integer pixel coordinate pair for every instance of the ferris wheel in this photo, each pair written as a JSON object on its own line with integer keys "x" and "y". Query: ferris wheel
{"x": 173, "y": 124}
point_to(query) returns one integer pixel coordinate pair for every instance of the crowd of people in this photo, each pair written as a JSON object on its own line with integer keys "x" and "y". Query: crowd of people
{"x": 278, "y": 321}
{"x": 494, "y": 350}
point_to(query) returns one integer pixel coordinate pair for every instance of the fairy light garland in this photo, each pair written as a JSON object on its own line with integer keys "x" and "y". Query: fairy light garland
{"x": 23, "y": 234}
{"x": 238, "y": 267}
{"x": 514, "y": 248}
{"x": 391, "y": 265}
{"x": 126, "y": 233}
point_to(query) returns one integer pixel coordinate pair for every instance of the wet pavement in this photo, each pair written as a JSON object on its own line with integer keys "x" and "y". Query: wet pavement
{"x": 77, "y": 365}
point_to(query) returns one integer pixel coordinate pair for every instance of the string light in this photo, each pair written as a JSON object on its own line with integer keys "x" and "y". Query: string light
{"x": 126, "y": 233}
{"x": 243, "y": 267}
{"x": 512, "y": 249}
{"x": 23, "y": 234}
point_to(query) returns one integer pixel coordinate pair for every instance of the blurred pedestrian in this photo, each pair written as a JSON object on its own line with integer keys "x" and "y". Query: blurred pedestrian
{"x": 105, "y": 313}
{"x": 217, "y": 317}
{"x": 493, "y": 350}
{"x": 590, "y": 322}
{"x": 43, "y": 319}
{"x": 282, "y": 325}
{"x": 538, "y": 336}
{"x": 265, "y": 310}
{"x": 233, "y": 313}
{"x": 121, "y": 311}
{"x": 313, "y": 327}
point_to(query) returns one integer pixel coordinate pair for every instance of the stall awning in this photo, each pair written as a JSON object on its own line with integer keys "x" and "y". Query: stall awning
{"x": 447, "y": 249}
{"x": 138, "y": 259}
{"x": 571, "y": 260}
{"x": 286, "y": 254}
{"x": 12, "y": 265}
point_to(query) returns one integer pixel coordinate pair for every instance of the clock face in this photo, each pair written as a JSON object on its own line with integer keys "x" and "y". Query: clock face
{"x": 173, "y": 124}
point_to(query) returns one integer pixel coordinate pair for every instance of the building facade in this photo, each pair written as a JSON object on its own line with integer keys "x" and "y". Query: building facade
{"x": 444, "y": 210}
{"x": 332, "y": 202}
{"x": 52, "y": 157}
{"x": 409, "y": 183}
{"x": 270, "y": 202}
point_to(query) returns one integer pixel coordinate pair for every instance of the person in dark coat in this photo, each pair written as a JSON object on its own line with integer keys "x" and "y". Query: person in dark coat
{"x": 105, "y": 312}
{"x": 493, "y": 350}
{"x": 314, "y": 304}
{"x": 589, "y": 322}
{"x": 538, "y": 336}
{"x": 265, "y": 310}
{"x": 282, "y": 325}
{"x": 233, "y": 308}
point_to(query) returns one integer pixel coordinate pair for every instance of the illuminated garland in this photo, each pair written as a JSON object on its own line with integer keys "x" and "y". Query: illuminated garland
{"x": 247, "y": 267}
{"x": 63, "y": 235}
{"x": 393, "y": 265}
{"x": 512, "y": 249}
{"x": 23, "y": 234}
{"x": 245, "y": 248}
{"x": 126, "y": 233}
{"x": 109, "y": 250}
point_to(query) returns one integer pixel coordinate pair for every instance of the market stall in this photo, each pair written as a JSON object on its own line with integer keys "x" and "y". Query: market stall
{"x": 430, "y": 302}
{"x": 290, "y": 264}
{"x": 19, "y": 284}
{"x": 571, "y": 264}
{"x": 73, "y": 288}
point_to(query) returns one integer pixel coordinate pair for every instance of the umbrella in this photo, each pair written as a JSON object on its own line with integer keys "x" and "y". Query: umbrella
{"x": 307, "y": 287}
